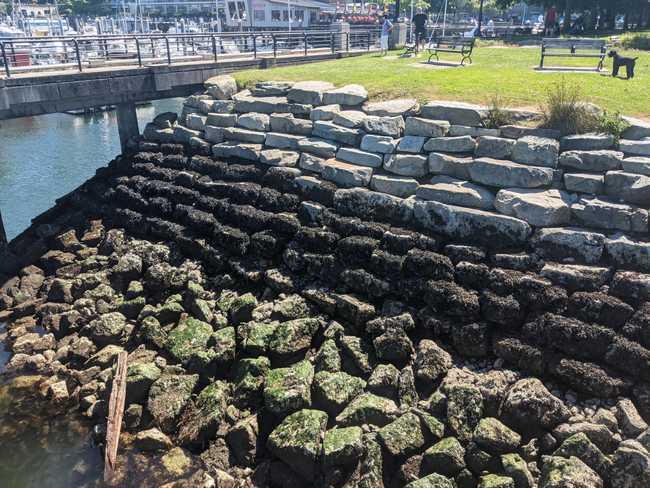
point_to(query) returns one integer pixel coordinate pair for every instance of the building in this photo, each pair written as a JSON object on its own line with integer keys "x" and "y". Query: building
{"x": 234, "y": 14}
{"x": 36, "y": 10}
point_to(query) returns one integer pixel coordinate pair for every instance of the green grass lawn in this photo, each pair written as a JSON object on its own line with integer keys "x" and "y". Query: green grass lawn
{"x": 497, "y": 70}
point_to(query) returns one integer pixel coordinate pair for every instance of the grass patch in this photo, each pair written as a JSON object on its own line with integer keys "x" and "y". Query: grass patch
{"x": 504, "y": 69}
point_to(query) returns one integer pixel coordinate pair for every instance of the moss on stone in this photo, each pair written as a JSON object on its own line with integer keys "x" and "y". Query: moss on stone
{"x": 342, "y": 446}
{"x": 335, "y": 390}
{"x": 403, "y": 436}
{"x": 293, "y": 337}
{"x": 368, "y": 409}
{"x": 187, "y": 339}
{"x": 289, "y": 389}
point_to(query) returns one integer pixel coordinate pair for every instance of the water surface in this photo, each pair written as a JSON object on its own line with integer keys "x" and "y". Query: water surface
{"x": 44, "y": 157}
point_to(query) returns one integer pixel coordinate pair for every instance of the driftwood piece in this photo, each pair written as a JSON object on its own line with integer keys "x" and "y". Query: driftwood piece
{"x": 115, "y": 414}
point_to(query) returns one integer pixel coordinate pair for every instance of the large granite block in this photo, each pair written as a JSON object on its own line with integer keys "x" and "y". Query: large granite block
{"x": 453, "y": 191}
{"x": 504, "y": 174}
{"x": 456, "y": 113}
{"x": 603, "y": 214}
{"x": 541, "y": 208}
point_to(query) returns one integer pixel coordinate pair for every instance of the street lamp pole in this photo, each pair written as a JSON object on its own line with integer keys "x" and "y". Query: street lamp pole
{"x": 480, "y": 18}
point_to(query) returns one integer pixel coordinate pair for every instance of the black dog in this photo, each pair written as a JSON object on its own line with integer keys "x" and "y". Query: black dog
{"x": 622, "y": 61}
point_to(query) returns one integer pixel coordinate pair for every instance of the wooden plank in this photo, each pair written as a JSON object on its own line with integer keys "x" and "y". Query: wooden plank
{"x": 115, "y": 414}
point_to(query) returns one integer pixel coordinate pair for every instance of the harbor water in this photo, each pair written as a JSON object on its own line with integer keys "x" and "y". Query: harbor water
{"x": 44, "y": 157}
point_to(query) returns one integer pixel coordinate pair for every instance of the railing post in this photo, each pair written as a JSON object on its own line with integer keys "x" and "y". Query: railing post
{"x": 275, "y": 46}
{"x": 347, "y": 42}
{"x": 304, "y": 39}
{"x": 169, "y": 54}
{"x": 6, "y": 62}
{"x": 369, "y": 34}
{"x": 137, "y": 47}
{"x": 254, "y": 46}
{"x": 76, "y": 50}
{"x": 214, "y": 48}
{"x": 332, "y": 42}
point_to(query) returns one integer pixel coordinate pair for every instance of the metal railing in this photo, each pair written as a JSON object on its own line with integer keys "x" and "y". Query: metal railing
{"x": 24, "y": 55}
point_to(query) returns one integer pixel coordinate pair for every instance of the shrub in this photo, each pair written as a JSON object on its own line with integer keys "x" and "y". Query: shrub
{"x": 566, "y": 110}
{"x": 497, "y": 115}
{"x": 636, "y": 41}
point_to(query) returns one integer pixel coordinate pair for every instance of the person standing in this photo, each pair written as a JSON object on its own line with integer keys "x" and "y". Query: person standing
{"x": 386, "y": 27}
{"x": 551, "y": 20}
{"x": 420, "y": 22}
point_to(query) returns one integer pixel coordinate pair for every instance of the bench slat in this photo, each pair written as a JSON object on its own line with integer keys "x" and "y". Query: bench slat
{"x": 572, "y": 55}
{"x": 577, "y": 43}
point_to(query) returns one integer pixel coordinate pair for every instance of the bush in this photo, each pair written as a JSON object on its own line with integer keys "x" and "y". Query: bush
{"x": 497, "y": 116}
{"x": 567, "y": 111}
{"x": 636, "y": 41}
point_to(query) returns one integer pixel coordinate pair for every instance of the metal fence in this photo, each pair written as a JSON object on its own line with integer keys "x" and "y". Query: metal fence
{"x": 20, "y": 55}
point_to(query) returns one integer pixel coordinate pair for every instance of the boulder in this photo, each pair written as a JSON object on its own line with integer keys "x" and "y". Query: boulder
{"x": 494, "y": 437}
{"x": 584, "y": 183}
{"x": 379, "y": 144}
{"x": 635, "y": 148}
{"x": 317, "y": 147}
{"x": 491, "y": 229}
{"x": 515, "y": 467}
{"x": 392, "y": 126}
{"x": 346, "y": 175}
{"x": 541, "y": 208}
{"x": 324, "y": 112}
{"x": 271, "y": 88}
{"x": 434, "y": 480}
{"x": 587, "y": 142}
{"x": 629, "y": 419}
{"x": 282, "y": 141}
{"x": 269, "y": 105}
{"x": 342, "y": 447}
{"x": 504, "y": 174}
{"x": 446, "y": 164}
{"x": 559, "y": 472}
{"x": 109, "y": 328}
{"x": 244, "y": 135}
{"x": 195, "y": 121}
{"x": 464, "y": 409}
{"x": 459, "y": 144}
{"x": 276, "y": 157}
{"x": 580, "y": 446}
{"x": 168, "y": 396}
{"x": 629, "y": 253}
{"x": 254, "y": 121}
{"x": 456, "y": 113}
{"x": 349, "y": 118}
{"x": 221, "y": 87}
{"x": 637, "y": 129}
{"x": 358, "y": 157}
{"x": 637, "y": 165}
{"x": 575, "y": 276}
{"x": 630, "y": 468}
{"x": 298, "y": 441}
{"x": 310, "y": 162}
{"x": 452, "y": 191}
{"x": 187, "y": 343}
{"x": 407, "y": 165}
{"x": 494, "y": 147}
{"x": 152, "y": 440}
{"x": 287, "y": 123}
{"x": 628, "y": 187}
{"x": 403, "y": 436}
{"x": 597, "y": 161}
{"x": 604, "y": 214}
{"x": 333, "y": 391}
{"x": 200, "y": 420}
{"x": 528, "y": 406}
{"x": 431, "y": 361}
{"x": 445, "y": 457}
{"x": 536, "y": 151}
{"x": 418, "y": 126}
{"x": 288, "y": 389}
{"x": 410, "y": 144}
{"x": 308, "y": 92}
{"x": 518, "y": 131}
{"x": 392, "y": 108}
{"x": 402, "y": 187}
{"x": 328, "y": 130}
{"x": 360, "y": 202}
{"x": 569, "y": 242}
{"x": 368, "y": 408}
{"x": 346, "y": 95}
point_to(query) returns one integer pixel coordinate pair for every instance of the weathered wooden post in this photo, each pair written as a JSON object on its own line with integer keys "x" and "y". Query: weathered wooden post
{"x": 127, "y": 123}
{"x": 3, "y": 234}
{"x": 115, "y": 414}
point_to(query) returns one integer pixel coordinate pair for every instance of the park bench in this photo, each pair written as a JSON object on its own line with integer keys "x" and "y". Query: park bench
{"x": 460, "y": 45}
{"x": 574, "y": 48}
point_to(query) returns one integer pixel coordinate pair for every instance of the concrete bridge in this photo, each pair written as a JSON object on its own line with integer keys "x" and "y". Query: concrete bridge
{"x": 157, "y": 67}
